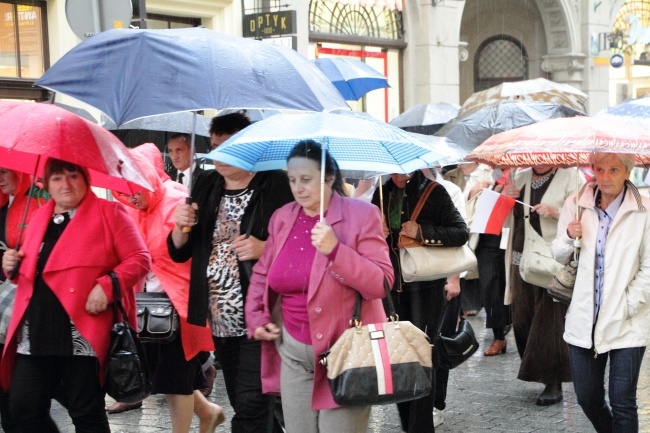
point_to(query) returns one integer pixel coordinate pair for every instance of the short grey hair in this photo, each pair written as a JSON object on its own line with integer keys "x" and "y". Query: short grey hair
{"x": 627, "y": 159}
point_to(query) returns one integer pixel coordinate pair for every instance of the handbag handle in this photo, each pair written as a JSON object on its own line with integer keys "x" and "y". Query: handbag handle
{"x": 410, "y": 242}
{"x": 356, "y": 313}
{"x": 117, "y": 299}
{"x": 423, "y": 199}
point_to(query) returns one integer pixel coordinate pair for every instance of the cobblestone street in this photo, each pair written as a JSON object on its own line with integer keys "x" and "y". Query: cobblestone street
{"x": 483, "y": 396}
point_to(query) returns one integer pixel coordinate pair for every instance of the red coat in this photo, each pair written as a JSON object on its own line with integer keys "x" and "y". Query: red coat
{"x": 360, "y": 266}
{"x": 154, "y": 224}
{"x": 16, "y": 212}
{"x": 101, "y": 237}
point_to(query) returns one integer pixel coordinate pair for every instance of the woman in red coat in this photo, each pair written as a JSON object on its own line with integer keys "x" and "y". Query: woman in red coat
{"x": 59, "y": 334}
{"x": 312, "y": 271}
{"x": 176, "y": 368}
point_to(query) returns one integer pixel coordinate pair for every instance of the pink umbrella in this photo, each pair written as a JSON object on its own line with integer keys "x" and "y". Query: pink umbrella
{"x": 563, "y": 142}
{"x": 32, "y": 133}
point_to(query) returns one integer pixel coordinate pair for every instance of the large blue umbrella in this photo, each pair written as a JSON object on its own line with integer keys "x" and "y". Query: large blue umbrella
{"x": 351, "y": 77}
{"x": 131, "y": 73}
{"x": 357, "y": 144}
{"x": 635, "y": 112}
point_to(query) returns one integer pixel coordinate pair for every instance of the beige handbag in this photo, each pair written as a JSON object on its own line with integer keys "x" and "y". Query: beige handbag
{"x": 428, "y": 263}
{"x": 537, "y": 265}
{"x": 379, "y": 363}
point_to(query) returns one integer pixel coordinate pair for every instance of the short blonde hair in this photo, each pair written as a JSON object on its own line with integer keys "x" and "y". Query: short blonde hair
{"x": 627, "y": 159}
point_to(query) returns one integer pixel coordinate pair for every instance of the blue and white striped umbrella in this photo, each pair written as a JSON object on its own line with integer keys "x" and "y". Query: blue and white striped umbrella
{"x": 635, "y": 112}
{"x": 359, "y": 145}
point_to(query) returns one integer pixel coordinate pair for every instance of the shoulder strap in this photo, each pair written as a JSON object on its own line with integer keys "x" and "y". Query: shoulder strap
{"x": 423, "y": 199}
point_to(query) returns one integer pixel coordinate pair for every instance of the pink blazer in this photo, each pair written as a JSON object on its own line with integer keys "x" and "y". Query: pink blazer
{"x": 101, "y": 237}
{"x": 360, "y": 266}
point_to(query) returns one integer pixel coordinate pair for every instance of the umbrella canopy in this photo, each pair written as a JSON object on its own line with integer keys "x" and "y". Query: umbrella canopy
{"x": 132, "y": 73}
{"x": 351, "y": 77}
{"x": 362, "y": 147}
{"x": 635, "y": 112}
{"x": 539, "y": 89}
{"x": 563, "y": 143}
{"x": 32, "y": 133}
{"x": 426, "y": 118}
{"x": 171, "y": 122}
{"x": 472, "y": 128}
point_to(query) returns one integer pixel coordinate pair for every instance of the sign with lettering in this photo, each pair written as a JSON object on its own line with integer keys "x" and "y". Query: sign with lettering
{"x": 267, "y": 24}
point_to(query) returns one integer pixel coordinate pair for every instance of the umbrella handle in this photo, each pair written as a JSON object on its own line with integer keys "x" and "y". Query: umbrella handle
{"x": 14, "y": 273}
{"x": 187, "y": 229}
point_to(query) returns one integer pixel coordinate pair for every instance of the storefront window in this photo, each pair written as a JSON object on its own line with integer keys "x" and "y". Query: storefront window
{"x": 21, "y": 41}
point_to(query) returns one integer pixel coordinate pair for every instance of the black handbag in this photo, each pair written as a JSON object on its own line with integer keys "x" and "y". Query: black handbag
{"x": 127, "y": 377}
{"x": 157, "y": 318}
{"x": 452, "y": 351}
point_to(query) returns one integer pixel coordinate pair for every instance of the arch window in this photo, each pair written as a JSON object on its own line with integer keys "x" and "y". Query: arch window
{"x": 499, "y": 59}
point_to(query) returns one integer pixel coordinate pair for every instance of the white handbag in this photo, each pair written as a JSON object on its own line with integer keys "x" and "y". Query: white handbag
{"x": 428, "y": 263}
{"x": 420, "y": 263}
{"x": 537, "y": 265}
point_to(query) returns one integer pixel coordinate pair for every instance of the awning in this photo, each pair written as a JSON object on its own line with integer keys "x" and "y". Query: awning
{"x": 381, "y": 4}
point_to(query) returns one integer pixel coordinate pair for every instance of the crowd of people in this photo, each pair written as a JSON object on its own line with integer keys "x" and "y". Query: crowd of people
{"x": 263, "y": 269}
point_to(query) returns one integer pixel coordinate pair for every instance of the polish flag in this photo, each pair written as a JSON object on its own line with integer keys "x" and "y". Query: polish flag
{"x": 491, "y": 212}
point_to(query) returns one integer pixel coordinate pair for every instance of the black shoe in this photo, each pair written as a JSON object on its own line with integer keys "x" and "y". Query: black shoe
{"x": 552, "y": 394}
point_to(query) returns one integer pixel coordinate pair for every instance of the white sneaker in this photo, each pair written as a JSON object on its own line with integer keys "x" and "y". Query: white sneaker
{"x": 438, "y": 419}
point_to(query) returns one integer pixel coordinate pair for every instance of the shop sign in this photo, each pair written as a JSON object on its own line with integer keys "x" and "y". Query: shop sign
{"x": 616, "y": 61}
{"x": 265, "y": 25}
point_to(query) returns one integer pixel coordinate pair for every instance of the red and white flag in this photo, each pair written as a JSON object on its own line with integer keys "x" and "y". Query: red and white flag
{"x": 491, "y": 212}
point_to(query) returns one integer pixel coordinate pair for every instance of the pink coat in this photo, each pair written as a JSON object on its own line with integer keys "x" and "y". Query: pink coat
{"x": 360, "y": 266}
{"x": 154, "y": 224}
{"x": 100, "y": 238}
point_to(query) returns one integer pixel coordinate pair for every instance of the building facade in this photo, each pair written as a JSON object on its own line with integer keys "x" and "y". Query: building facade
{"x": 430, "y": 50}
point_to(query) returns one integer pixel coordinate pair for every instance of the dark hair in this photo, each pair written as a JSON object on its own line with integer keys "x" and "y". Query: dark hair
{"x": 187, "y": 138}
{"x": 312, "y": 150}
{"x": 229, "y": 123}
{"x": 56, "y": 166}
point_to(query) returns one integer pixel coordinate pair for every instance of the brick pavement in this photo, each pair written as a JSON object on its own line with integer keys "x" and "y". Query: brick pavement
{"x": 483, "y": 396}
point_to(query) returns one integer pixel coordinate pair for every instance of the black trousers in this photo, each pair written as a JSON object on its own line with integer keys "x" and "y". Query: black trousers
{"x": 422, "y": 304}
{"x": 240, "y": 360}
{"x": 38, "y": 379}
{"x": 492, "y": 280}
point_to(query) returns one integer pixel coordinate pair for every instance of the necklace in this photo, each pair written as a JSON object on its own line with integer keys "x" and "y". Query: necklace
{"x": 538, "y": 183}
{"x": 58, "y": 218}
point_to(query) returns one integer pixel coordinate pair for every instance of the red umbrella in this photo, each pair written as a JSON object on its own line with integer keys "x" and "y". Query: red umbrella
{"x": 563, "y": 142}
{"x": 32, "y": 133}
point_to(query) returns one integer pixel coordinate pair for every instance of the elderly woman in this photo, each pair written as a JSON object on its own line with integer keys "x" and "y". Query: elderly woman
{"x": 59, "y": 333}
{"x": 229, "y": 202}
{"x": 609, "y": 315}
{"x": 537, "y": 321}
{"x": 312, "y": 271}
{"x": 176, "y": 367}
{"x": 422, "y": 302}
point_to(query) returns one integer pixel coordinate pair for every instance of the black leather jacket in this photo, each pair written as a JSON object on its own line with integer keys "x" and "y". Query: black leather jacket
{"x": 441, "y": 223}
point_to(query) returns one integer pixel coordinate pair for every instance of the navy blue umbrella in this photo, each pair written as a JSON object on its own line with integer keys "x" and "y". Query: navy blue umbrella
{"x": 351, "y": 77}
{"x": 131, "y": 73}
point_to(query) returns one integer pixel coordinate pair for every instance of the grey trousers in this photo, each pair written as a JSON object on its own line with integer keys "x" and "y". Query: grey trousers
{"x": 296, "y": 386}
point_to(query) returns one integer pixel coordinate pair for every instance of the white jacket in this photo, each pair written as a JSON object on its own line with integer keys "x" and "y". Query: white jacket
{"x": 624, "y": 317}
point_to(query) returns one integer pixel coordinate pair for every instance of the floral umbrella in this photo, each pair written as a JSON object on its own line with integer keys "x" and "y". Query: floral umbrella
{"x": 563, "y": 142}
{"x": 539, "y": 89}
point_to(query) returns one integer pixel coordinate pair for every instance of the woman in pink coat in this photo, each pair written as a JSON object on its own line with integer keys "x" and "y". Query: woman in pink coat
{"x": 176, "y": 368}
{"x": 59, "y": 334}
{"x": 312, "y": 271}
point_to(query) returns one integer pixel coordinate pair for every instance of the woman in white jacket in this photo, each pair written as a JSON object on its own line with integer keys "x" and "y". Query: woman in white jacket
{"x": 609, "y": 315}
